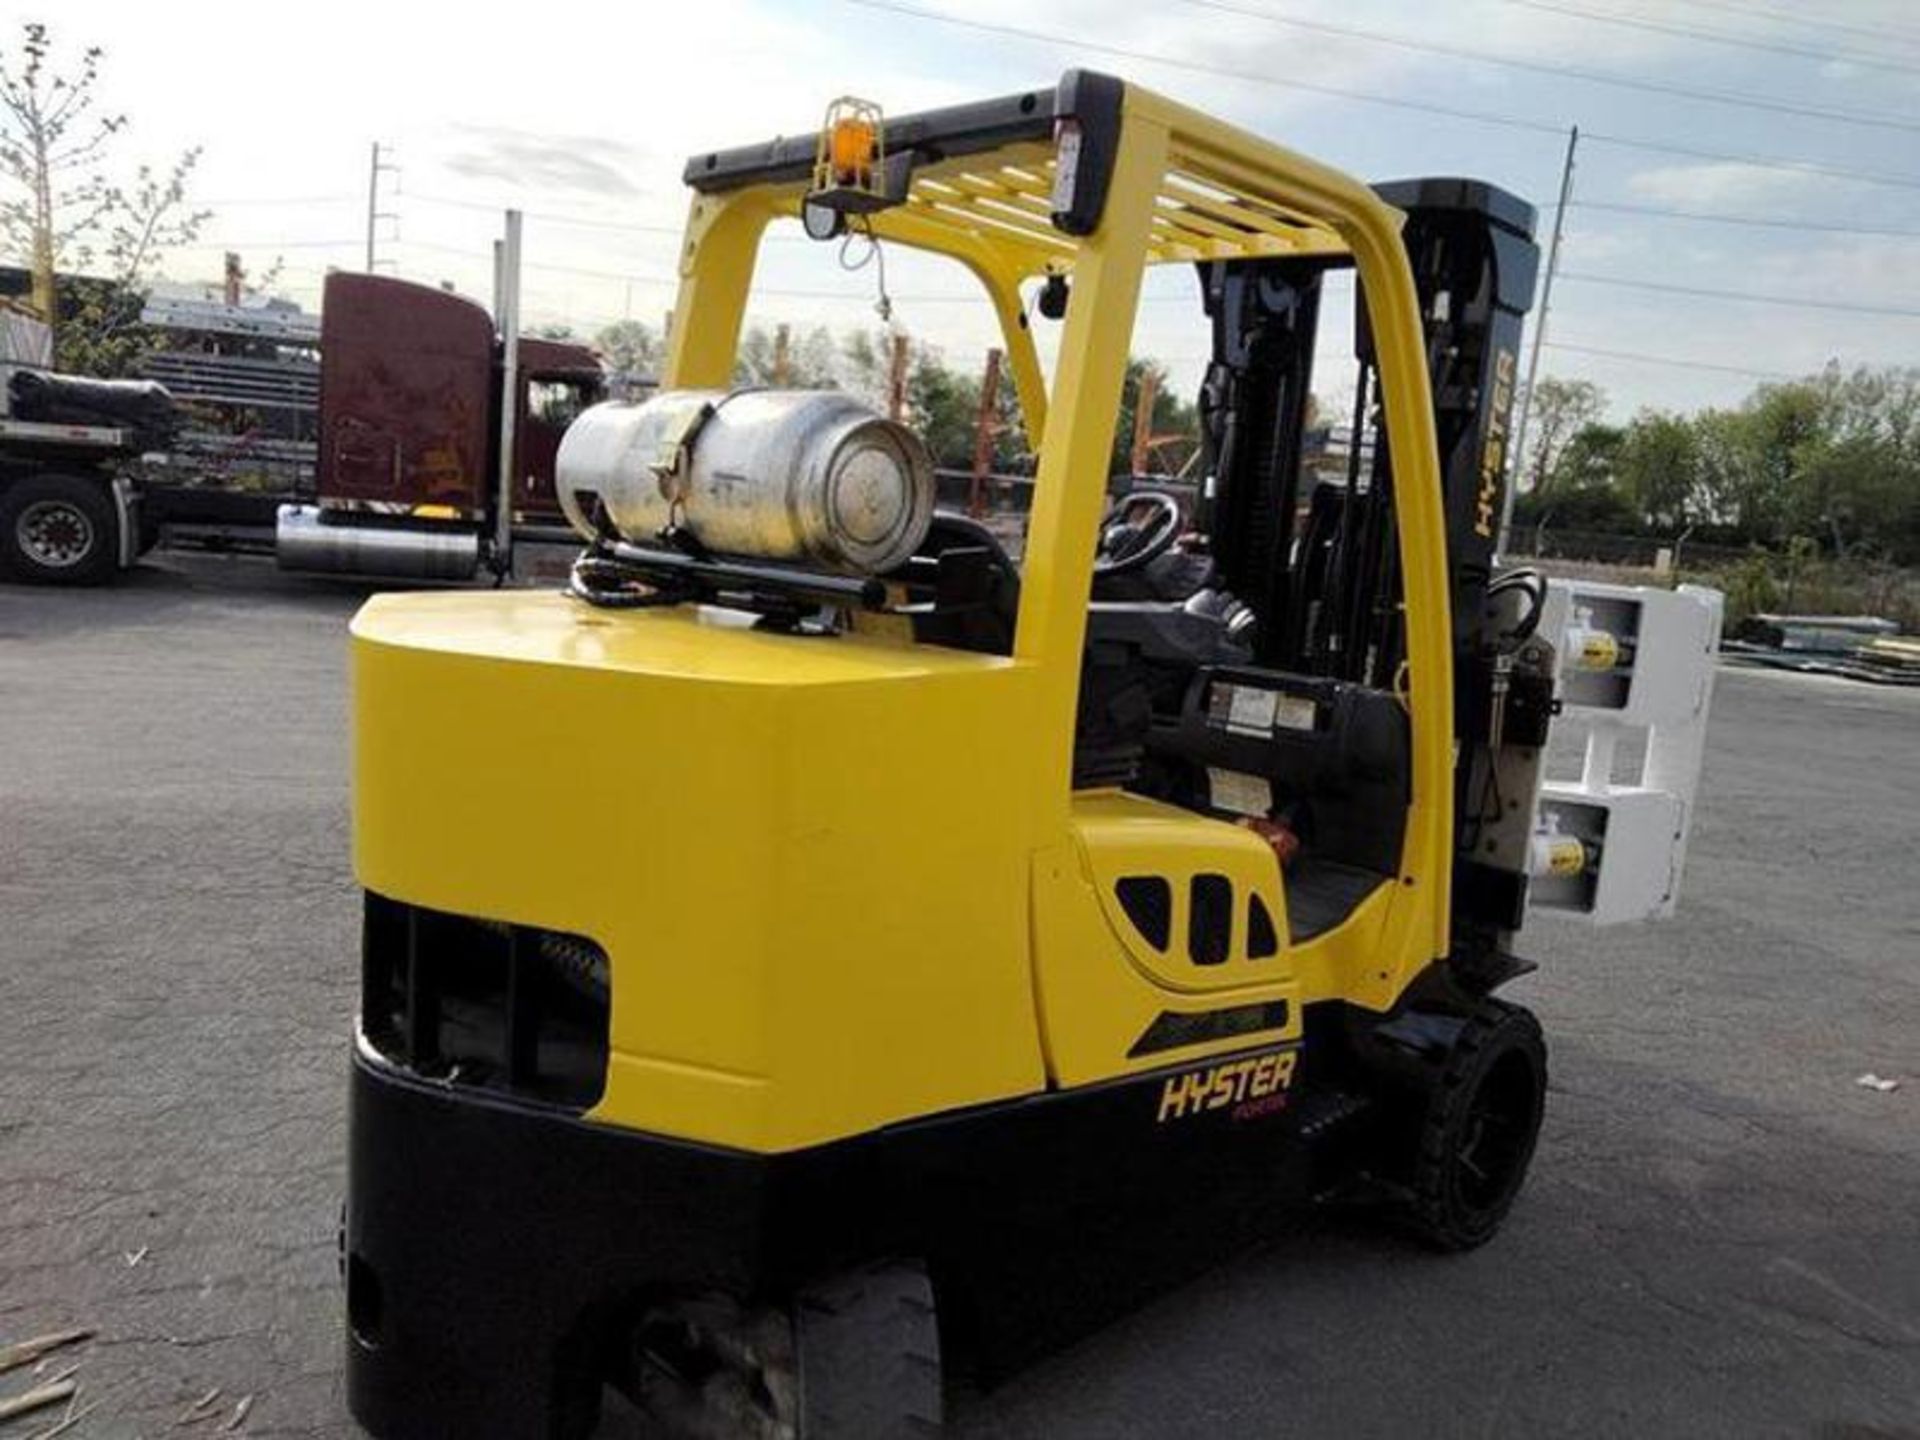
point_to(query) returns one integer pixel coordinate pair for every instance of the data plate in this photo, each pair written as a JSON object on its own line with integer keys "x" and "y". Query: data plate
{"x": 1255, "y": 710}
{"x": 1239, "y": 793}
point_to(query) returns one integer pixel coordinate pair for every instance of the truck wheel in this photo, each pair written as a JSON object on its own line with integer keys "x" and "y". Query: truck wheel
{"x": 1482, "y": 1119}
{"x": 57, "y": 530}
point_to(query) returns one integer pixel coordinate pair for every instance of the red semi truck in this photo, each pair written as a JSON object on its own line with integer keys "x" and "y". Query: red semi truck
{"x": 407, "y": 483}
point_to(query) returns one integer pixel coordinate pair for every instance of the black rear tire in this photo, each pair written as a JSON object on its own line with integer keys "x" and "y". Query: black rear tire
{"x": 58, "y": 530}
{"x": 868, "y": 1348}
{"x": 855, "y": 1357}
{"x": 1481, "y": 1123}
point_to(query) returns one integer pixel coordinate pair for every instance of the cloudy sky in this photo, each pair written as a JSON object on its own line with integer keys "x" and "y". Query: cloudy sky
{"x": 1748, "y": 147}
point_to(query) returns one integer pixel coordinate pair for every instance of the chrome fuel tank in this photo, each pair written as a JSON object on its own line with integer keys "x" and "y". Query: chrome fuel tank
{"x": 800, "y": 475}
{"x": 305, "y": 540}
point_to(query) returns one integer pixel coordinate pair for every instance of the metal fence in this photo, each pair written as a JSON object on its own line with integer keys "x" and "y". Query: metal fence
{"x": 1646, "y": 552}
{"x": 1755, "y": 580}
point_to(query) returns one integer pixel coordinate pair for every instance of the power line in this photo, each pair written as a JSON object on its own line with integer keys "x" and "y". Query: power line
{"x": 630, "y": 276}
{"x": 1761, "y": 162}
{"x": 1675, "y": 361}
{"x": 1788, "y": 17}
{"x": 1254, "y": 77}
{"x": 1717, "y": 37}
{"x": 1747, "y": 295}
{"x": 270, "y": 244}
{"x": 1763, "y": 222}
{"x": 577, "y": 220}
{"x": 669, "y": 281}
{"x": 1736, "y": 99}
{"x": 1484, "y": 117}
{"x": 287, "y": 200}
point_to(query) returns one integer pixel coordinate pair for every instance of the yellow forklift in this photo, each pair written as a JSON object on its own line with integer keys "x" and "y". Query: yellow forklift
{"x": 821, "y": 945}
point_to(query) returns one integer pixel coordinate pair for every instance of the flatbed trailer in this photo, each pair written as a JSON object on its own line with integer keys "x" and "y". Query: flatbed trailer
{"x": 66, "y": 510}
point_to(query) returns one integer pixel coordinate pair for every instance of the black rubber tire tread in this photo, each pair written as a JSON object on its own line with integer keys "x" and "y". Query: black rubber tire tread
{"x": 1434, "y": 1210}
{"x": 84, "y": 494}
{"x": 868, "y": 1350}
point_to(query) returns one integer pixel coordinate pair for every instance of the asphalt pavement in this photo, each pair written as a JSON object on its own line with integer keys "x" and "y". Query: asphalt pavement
{"x": 1721, "y": 1236}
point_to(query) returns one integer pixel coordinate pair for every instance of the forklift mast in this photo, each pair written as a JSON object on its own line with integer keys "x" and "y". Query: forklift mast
{"x": 1474, "y": 263}
{"x": 1253, "y": 413}
{"x": 1324, "y": 585}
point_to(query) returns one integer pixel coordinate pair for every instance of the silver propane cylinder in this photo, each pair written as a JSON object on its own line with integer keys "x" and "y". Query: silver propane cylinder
{"x": 798, "y": 475}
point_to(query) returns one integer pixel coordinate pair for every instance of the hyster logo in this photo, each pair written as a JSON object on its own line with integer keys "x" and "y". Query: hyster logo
{"x": 1253, "y": 1086}
{"x": 1493, "y": 460}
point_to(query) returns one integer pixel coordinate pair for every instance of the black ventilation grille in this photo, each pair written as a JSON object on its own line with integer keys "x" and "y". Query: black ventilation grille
{"x": 1174, "y": 1030}
{"x": 1148, "y": 901}
{"x": 1210, "y": 919}
{"x": 506, "y": 1008}
{"x": 1262, "y": 943}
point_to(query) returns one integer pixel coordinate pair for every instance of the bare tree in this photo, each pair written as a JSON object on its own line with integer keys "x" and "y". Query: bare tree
{"x": 64, "y": 212}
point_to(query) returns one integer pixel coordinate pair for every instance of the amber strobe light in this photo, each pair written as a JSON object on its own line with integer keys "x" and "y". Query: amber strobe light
{"x": 852, "y": 146}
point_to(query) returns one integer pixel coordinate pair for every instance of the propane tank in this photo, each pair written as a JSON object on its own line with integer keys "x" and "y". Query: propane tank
{"x": 1587, "y": 647}
{"x": 798, "y": 475}
{"x": 1554, "y": 852}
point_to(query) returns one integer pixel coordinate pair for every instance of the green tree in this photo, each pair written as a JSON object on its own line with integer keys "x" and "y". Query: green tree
{"x": 1583, "y": 492}
{"x": 1588, "y": 461}
{"x": 1172, "y": 415}
{"x": 1658, "y": 469}
{"x": 1864, "y": 479}
{"x": 812, "y": 358}
{"x": 944, "y": 407}
{"x": 62, "y": 212}
{"x": 631, "y": 350}
{"x": 1558, "y": 411}
{"x": 864, "y": 364}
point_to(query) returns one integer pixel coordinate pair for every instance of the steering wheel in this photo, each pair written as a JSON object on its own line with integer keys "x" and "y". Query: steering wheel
{"x": 1128, "y": 543}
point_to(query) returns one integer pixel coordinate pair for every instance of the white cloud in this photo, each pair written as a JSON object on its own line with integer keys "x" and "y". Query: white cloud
{"x": 1862, "y": 270}
{"x": 1726, "y": 186}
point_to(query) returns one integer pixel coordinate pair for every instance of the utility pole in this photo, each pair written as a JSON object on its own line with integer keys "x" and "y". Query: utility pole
{"x": 1144, "y": 395}
{"x": 375, "y": 214}
{"x": 232, "y": 280}
{"x": 985, "y": 427}
{"x": 506, "y": 316}
{"x": 782, "y": 361}
{"x": 897, "y": 380}
{"x": 1518, "y": 457}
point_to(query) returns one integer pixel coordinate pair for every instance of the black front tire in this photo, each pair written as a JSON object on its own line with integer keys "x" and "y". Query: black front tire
{"x": 58, "y": 530}
{"x": 1481, "y": 1123}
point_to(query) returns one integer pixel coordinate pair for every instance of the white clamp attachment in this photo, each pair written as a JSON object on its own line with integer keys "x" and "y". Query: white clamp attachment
{"x": 1636, "y": 673}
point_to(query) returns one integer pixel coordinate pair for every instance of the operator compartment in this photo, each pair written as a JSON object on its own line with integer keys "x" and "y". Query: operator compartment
{"x": 1326, "y": 758}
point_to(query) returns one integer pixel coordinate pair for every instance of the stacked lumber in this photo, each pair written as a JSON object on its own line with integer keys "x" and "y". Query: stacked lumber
{"x": 1854, "y": 647}
{"x": 1893, "y": 659}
